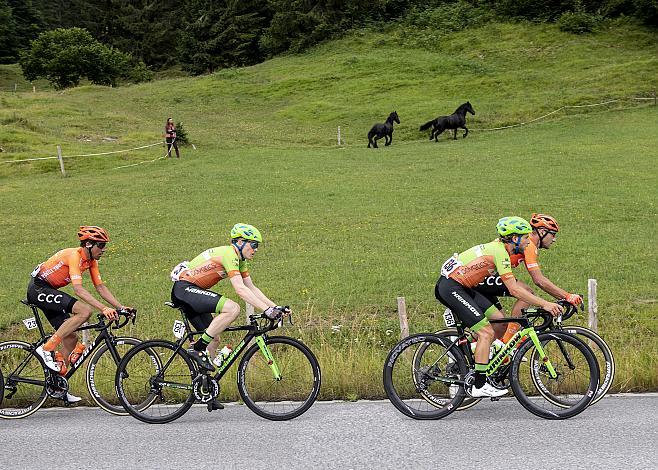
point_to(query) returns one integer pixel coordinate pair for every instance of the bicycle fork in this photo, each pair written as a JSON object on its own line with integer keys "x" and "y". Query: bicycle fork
{"x": 260, "y": 340}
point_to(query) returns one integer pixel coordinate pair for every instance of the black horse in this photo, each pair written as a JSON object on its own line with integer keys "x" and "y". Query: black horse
{"x": 383, "y": 130}
{"x": 454, "y": 121}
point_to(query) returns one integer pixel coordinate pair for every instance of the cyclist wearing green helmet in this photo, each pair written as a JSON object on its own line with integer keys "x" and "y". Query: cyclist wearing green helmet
{"x": 456, "y": 289}
{"x": 193, "y": 279}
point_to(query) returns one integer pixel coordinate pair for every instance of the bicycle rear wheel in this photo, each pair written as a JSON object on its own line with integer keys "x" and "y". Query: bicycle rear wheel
{"x": 469, "y": 402}
{"x": 418, "y": 375}
{"x": 603, "y": 355}
{"x": 576, "y": 382}
{"x": 156, "y": 372}
{"x": 101, "y": 374}
{"x": 295, "y": 389}
{"x": 24, "y": 380}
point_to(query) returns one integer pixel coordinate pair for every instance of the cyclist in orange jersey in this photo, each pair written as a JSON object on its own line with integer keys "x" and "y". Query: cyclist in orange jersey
{"x": 544, "y": 231}
{"x": 63, "y": 268}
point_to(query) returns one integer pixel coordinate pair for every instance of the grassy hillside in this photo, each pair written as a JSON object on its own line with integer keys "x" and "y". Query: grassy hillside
{"x": 349, "y": 229}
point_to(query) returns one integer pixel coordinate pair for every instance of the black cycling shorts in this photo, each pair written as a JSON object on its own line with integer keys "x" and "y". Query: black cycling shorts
{"x": 471, "y": 307}
{"x": 55, "y": 304}
{"x": 198, "y": 304}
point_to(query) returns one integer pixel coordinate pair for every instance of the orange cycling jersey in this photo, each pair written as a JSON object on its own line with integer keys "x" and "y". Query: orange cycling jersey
{"x": 530, "y": 257}
{"x": 66, "y": 267}
{"x": 213, "y": 265}
{"x": 472, "y": 266}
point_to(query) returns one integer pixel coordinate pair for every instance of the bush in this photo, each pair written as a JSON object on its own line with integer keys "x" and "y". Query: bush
{"x": 64, "y": 56}
{"x": 578, "y": 22}
{"x": 181, "y": 135}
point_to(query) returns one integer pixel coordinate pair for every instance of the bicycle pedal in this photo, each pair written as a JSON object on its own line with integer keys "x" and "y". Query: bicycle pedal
{"x": 495, "y": 398}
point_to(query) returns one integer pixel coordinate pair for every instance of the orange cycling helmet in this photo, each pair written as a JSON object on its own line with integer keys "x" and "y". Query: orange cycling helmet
{"x": 93, "y": 233}
{"x": 544, "y": 221}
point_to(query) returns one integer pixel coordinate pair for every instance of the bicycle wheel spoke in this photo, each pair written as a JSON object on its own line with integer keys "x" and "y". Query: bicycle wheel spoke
{"x": 24, "y": 380}
{"x": 101, "y": 373}
{"x": 150, "y": 391}
{"x": 570, "y": 391}
{"x": 419, "y": 377}
{"x": 283, "y": 398}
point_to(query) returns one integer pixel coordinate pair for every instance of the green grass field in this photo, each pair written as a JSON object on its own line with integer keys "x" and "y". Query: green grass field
{"x": 347, "y": 230}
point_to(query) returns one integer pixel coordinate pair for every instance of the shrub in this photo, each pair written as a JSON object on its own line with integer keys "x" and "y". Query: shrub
{"x": 578, "y": 22}
{"x": 64, "y": 56}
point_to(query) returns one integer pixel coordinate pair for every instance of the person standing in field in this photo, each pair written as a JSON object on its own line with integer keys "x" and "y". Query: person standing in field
{"x": 170, "y": 137}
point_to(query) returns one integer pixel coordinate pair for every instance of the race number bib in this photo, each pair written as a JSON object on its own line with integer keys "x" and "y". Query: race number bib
{"x": 178, "y": 329}
{"x": 36, "y": 271}
{"x": 450, "y": 265}
{"x": 176, "y": 272}
{"x": 449, "y": 318}
{"x": 30, "y": 323}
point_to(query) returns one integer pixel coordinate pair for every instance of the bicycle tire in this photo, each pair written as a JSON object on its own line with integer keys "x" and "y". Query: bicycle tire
{"x": 419, "y": 388}
{"x": 469, "y": 402}
{"x": 167, "y": 383}
{"x": 604, "y": 358}
{"x": 602, "y": 350}
{"x": 282, "y": 399}
{"x": 580, "y": 386}
{"x": 24, "y": 380}
{"x": 101, "y": 376}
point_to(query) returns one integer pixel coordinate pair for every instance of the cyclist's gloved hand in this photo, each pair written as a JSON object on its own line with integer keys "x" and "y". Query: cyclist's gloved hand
{"x": 574, "y": 299}
{"x": 110, "y": 313}
{"x": 273, "y": 313}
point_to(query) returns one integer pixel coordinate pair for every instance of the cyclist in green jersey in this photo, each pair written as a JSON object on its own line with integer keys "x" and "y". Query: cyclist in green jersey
{"x": 193, "y": 279}
{"x": 456, "y": 289}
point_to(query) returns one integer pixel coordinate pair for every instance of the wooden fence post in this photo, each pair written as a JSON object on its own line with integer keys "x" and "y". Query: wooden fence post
{"x": 61, "y": 160}
{"x": 592, "y": 305}
{"x": 402, "y": 313}
{"x": 339, "y": 136}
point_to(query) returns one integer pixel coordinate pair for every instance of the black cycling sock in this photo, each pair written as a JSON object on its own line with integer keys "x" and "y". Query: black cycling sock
{"x": 203, "y": 342}
{"x": 480, "y": 376}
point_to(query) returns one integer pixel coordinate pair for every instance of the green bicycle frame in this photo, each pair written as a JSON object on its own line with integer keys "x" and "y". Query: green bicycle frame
{"x": 268, "y": 355}
{"x": 507, "y": 350}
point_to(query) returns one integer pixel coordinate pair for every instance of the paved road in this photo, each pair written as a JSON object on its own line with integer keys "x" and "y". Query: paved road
{"x": 618, "y": 432}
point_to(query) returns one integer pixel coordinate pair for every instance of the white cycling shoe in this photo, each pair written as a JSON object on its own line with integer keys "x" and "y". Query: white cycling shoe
{"x": 48, "y": 359}
{"x": 487, "y": 390}
{"x": 72, "y": 398}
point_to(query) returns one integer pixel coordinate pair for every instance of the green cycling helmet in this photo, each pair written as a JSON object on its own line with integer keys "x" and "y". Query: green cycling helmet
{"x": 513, "y": 226}
{"x": 246, "y": 231}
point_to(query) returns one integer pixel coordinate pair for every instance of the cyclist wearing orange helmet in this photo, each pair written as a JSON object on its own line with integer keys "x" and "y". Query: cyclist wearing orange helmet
{"x": 63, "y": 268}
{"x": 544, "y": 231}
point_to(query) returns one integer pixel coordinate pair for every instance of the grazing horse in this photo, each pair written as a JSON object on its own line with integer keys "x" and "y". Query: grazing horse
{"x": 454, "y": 121}
{"x": 383, "y": 130}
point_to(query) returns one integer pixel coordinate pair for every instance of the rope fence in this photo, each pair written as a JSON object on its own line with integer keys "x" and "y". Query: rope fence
{"x": 61, "y": 157}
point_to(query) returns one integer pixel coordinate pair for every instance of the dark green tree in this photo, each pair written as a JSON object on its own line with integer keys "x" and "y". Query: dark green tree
{"x": 8, "y": 43}
{"x": 222, "y": 34}
{"x": 64, "y": 56}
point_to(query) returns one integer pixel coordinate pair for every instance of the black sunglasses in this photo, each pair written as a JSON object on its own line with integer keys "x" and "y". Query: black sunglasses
{"x": 253, "y": 244}
{"x": 101, "y": 245}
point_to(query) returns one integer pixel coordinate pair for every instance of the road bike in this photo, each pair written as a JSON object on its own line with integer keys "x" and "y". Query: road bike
{"x": 28, "y": 382}
{"x": 427, "y": 376}
{"x": 278, "y": 378}
{"x": 599, "y": 347}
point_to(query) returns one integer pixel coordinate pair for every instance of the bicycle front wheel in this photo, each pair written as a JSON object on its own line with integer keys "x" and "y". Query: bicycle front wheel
{"x": 24, "y": 380}
{"x": 283, "y": 388}
{"x": 603, "y": 355}
{"x": 420, "y": 376}
{"x": 157, "y": 372}
{"x": 574, "y": 386}
{"x": 101, "y": 374}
